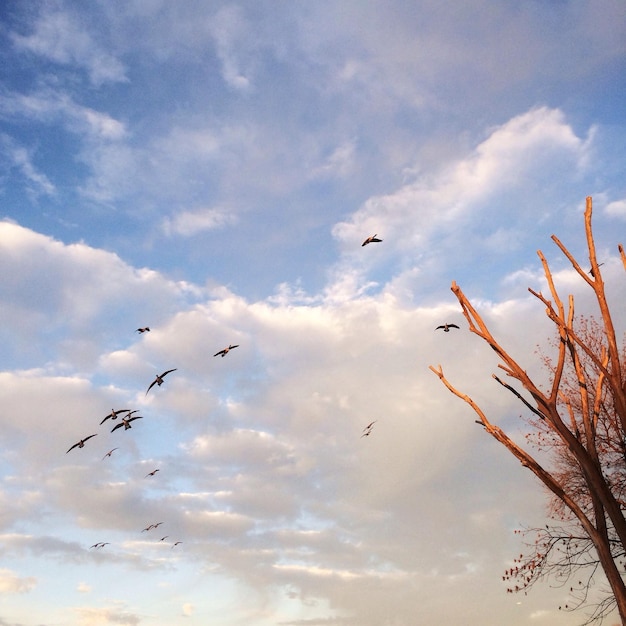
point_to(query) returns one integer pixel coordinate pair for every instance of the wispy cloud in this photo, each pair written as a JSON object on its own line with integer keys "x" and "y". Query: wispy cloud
{"x": 188, "y": 223}
{"x": 12, "y": 583}
{"x": 49, "y": 106}
{"x": 59, "y": 36}
{"x": 21, "y": 159}
{"x": 617, "y": 208}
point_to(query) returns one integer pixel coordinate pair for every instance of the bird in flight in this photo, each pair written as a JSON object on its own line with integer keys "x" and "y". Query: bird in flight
{"x": 100, "y": 544}
{"x": 109, "y": 453}
{"x": 176, "y": 543}
{"x": 159, "y": 379}
{"x": 446, "y": 327}
{"x": 164, "y": 538}
{"x": 152, "y": 473}
{"x": 126, "y": 422}
{"x": 372, "y": 239}
{"x": 225, "y": 351}
{"x": 81, "y": 443}
{"x": 368, "y": 429}
{"x": 113, "y": 414}
{"x": 143, "y": 330}
{"x": 151, "y": 527}
{"x": 593, "y": 274}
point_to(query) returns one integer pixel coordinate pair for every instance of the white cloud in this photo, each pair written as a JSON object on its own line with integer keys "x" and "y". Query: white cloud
{"x": 22, "y": 160}
{"x": 92, "y": 616}
{"x": 188, "y": 609}
{"x": 269, "y": 478}
{"x": 531, "y": 141}
{"x": 12, "y": 583}
{"x": 188, "y": 223}
{"x": 617, "y": 208}
{"x": 60, "y": 37}
{"x": 233, "y": 36}
{"x": 50, "y": 105}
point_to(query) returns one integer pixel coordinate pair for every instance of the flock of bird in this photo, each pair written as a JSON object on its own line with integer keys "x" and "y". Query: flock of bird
{"x": 127, "y": 416}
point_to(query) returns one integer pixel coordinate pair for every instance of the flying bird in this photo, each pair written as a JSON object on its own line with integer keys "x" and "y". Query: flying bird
{"x": 368, "y": 429}
{"x": 372, "y": 239}
{"x": 225, "y": 351}
{"x": 159, "y": 379}
{"x": 593, "y": 274}
{"x": 446, "y": 327}
{"x": 143, "y": 330}
{"x": 109, "y": 453}
{"x": 100, "y": 544}
{"x": 152, "y": 473}
{"x": 114, "y": 413}
{"x": 126, "y": 422}
{"x": 151, "y": 527}
{"x": 176, "y": 543}
{"x": 81, "y": 443}
{"x": 164, "y": 538}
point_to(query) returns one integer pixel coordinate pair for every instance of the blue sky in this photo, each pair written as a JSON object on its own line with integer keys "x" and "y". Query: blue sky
{"x": 210, "y": 170}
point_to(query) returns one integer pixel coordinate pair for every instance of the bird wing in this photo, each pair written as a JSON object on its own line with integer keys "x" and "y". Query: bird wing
{"x": 76, "y": 444}
{"x": 167, "y": 372}
{"x": 220, "y": 352}
{"x": 90, "y": 436}
{"x": 105, "y": 419}
{"x": 453, "y": 326}
{"x": 130, "y": 419}
{"x": 232, "y": 347}
{"x": 438, "y": 327}
{"x": 117, "y": 426}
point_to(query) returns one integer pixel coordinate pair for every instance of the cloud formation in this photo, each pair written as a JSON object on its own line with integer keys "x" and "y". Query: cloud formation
{"x": 211, "y": 173}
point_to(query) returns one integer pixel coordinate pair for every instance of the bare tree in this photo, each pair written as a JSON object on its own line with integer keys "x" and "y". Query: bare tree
{"x": 580, "y": 421}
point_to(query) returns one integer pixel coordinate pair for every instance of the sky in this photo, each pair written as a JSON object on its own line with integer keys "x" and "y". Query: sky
{"x": 210, "y": 170}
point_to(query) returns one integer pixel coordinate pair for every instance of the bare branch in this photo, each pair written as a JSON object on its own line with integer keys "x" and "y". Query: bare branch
{"x": 587, "y": 473}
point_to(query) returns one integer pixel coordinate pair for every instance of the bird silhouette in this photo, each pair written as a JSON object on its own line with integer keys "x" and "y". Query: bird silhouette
{"x": 126, "y": 422}
{"x": 152, "y": 473}
{"x": 225, "y": 351}
{"x": 164, "y": 538}
{"x": 143, "y": 330}
{"x": 100, "y": 544}
{"x": 593, "y": 274}
{"x": 446, "y": 327}
{"x": 176, "y": 543}
{"x": 109, "y": 453}
{"x": 372, "y": 239}
{"x": 368, "y": 429}
{"x": 151, "y": 527}
{"x": 159, "y": 379}
{"x": 114, "y": 413}
{"x": 81, "y": 443}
